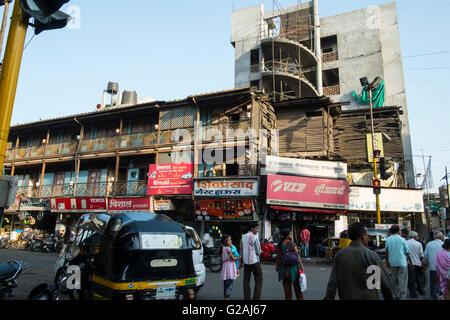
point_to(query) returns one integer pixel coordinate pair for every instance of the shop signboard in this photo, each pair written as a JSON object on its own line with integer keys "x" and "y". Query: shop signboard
{"x": 164, "y": 205}
{"x": 226, "y": 187}
{"x": 307, "y": 192}
{"x": 34, "y": 204}
{"x": 78, "y": 205}
{"x": 230, "y": 209}
{"x": 170, "y": 178}
{"x": 391, "y": 200}
{"x": 118, "y": 205}
{"x": 378, "y": 141}
{"x": 306, "y": 168}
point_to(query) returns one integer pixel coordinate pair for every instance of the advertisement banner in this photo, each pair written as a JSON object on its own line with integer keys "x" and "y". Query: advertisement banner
{"x": 226, "y": 188}
{"x": 306, "y": 168}
{"x": 307, "y": 192}
{"x": 78, "y": 205}
{"x": 224, "y": 209}
{"x": 394, "y": 200}
{"x": 34, "y": 204}
{"x": 170, "y": 178}
{"x": 129, "y": 204}
{"x": 378, "y": 141}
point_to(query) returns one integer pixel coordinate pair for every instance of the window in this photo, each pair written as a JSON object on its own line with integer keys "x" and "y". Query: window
{"x": 254, "y": 83}
{"x": 176, "y": 118}
{"x": 162, "y": 241}
{"x": 254, "y": 60}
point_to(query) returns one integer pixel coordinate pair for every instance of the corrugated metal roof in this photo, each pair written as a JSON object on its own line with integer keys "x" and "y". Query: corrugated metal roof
{"x": 120, "y": 108}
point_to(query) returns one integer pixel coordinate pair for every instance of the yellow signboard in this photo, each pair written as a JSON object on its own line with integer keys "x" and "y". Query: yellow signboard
{"x": 378, "y": 145}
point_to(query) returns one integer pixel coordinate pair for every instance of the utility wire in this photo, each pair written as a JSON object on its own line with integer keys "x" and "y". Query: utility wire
{"x": 431, "y": 68}
{"x": 427, "y": 54}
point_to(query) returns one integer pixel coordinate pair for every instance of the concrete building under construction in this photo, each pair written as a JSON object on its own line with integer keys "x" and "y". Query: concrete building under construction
{"x": 279, "y": 52}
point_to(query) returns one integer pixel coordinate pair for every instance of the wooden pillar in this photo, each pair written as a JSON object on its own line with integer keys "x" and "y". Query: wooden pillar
{"x": 12, "y": 170}
{"x": 77, "y": 160}
{"x": 157, "y": 135}
{"x": 46, "y": 143}
{"x": 196, "y": 133}
{"x": 15, "y": 150}
{"x": 116, "y": 172}
{"x": 41, "y": 179}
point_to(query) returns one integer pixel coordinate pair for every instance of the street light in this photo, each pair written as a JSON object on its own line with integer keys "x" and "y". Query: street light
{"x": 377, "y": 190}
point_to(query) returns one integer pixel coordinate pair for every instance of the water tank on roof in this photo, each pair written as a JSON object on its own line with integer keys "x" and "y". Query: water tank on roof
{"x": 129, "y": 97}
{"x": 113, "y": 87}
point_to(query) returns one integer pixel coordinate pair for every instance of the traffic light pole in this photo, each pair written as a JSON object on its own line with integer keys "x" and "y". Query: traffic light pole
{"x": 375, "y": 174}
{"x": 10, "y": 74}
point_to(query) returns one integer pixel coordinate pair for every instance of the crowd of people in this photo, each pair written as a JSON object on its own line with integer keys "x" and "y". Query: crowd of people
{"x": 404, "y": 268}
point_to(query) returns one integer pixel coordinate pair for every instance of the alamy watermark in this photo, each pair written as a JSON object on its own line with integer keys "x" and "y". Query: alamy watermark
{"x": 374, "y": 280}
{"x": 74, "y": 279}
{"x": 217, "y": 145}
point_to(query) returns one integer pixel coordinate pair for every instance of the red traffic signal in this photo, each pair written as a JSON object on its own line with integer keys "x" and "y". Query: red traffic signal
{"x": 376, "y": 153}
{"x": 376, "y": 186}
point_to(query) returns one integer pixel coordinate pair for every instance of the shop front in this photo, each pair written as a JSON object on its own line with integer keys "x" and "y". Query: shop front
{"x": 170, "y": 185}
{"x": 67, "y": 211}
{"x": 397, "y": 206}
{"x": 226, "y": 205}
{"x": 29, "y": 213}
{"x": 298, "y": 202}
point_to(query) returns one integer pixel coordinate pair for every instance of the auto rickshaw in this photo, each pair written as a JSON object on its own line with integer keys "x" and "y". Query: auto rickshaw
{"x": 344, "y": 240}
{"x": 143, "y": 256}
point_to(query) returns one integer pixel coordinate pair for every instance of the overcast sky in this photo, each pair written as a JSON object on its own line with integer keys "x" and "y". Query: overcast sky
{"x": 171, "y": 49}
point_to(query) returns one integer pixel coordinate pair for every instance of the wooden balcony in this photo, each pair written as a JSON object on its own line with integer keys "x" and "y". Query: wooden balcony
{"x": 101, "y": 189}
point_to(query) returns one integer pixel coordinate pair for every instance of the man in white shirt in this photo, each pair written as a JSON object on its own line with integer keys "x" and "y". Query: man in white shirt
{"x": 250, "y": 253}
{"x": 431, "y": 250}
{"x": 207, "y": 240}
{"x": 416, "y": 275}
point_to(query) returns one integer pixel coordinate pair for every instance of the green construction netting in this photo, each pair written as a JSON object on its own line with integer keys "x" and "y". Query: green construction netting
{"x": 377, "y": 96}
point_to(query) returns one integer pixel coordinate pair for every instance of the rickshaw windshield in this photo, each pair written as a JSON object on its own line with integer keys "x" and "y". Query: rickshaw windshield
{"x": 160, "y": 240}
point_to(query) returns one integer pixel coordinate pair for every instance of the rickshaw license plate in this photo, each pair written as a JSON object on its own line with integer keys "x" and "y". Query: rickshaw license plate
{"x": 165, "y": 292}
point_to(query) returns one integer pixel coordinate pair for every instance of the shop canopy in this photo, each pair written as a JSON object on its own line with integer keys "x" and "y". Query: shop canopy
{"x": 309, "y": 210}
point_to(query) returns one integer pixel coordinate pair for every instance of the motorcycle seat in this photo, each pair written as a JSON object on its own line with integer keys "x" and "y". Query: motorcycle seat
{"x": 6, "y": 270}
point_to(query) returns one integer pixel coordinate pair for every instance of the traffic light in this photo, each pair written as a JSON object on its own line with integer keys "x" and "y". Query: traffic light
{"x": 46, "y": 14}
{"x": 376, "y": 186}
{"x": 376, "y": 154}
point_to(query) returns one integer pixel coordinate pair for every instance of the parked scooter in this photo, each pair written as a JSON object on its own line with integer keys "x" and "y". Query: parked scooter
{"x": 269, "y": 250}
{"x": 9, "y": 273}
{"x": 44, "y": 292}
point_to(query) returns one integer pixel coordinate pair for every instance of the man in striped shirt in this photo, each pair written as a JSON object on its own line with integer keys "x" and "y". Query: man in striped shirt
{"x": 250, "y": 253}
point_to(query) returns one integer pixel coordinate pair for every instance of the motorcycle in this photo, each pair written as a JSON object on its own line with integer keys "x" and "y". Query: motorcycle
{"x": 46, "y": 293}
{"x": 212, "y": 259}
{"x": 9, "y": 273}
{"x": 269, "y": 250}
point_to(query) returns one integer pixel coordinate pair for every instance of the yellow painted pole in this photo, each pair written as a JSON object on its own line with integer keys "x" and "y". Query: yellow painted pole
{"x": 375, "y": 174}
{"x": 10, "y": 74}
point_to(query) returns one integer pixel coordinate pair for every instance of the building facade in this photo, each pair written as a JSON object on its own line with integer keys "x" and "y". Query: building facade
{"x": 276, "y": 51}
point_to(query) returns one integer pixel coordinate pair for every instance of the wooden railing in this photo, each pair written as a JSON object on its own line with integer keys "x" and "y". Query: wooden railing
{"x": 100, "y": 189}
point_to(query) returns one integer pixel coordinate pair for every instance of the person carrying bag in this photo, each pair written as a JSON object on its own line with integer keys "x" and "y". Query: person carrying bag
{"x": 288, "y": 266}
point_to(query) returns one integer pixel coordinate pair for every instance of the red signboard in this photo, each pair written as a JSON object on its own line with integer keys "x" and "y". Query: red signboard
{"x": 129, "y": 204}
{"x": 78, "y": 205}
{"x": 170, "y": 178}
{"x": 307, "y": 192}
{"x": 224, "y": 209}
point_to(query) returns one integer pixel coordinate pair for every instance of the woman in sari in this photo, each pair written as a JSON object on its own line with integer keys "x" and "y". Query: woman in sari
{"x": 442, "y": 262}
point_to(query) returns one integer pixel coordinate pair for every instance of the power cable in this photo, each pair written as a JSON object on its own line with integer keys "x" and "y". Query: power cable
{"x": 427, "y": 54}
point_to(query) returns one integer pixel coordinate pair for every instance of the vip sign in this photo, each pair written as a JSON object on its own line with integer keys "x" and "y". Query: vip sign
{"x": 307, "y": 192}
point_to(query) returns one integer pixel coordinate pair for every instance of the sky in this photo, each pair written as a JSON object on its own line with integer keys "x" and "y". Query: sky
{"x": 172, "y": 49}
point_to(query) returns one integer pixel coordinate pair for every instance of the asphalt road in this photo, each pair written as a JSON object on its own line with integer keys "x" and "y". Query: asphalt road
{"x": 42, "y": 265}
